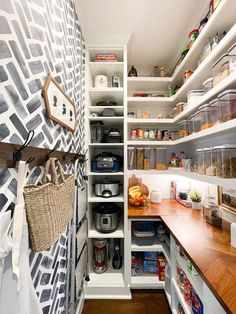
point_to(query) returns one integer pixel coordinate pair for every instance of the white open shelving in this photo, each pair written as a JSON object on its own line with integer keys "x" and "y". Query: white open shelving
{"x": 181, "y": 299}
{"x": 118, "y": 233}
{"x": 146, "y": 281}
{"x": 115, "y": 199}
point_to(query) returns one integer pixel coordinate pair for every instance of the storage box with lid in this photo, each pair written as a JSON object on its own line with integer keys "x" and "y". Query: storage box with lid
{"x": 204, "y": 117}
{"x": 191, "y": 124}
{"x": 139, "y": 158}
{"x": 183, "y": 128}
{"x": 232, "y": 58}
{"x": 160, "y": 158}
{"x": 197, "y": 122}
{"x": 214, "y": 112}
{"x": 210, "y": 161}
{"x": 143, "y": 232}
{"x": 201, "y": 153}
{"x": 227, "y": 105}
{"x": 180, "y": 107}
{"x": 208, "y": 84}
{"x": 147, "y": 158}
{"x": 220, "y": 69}
{"x": 193, "y": 96}
{"x": 226, "y": 161}
{"x": 131, "y": 158}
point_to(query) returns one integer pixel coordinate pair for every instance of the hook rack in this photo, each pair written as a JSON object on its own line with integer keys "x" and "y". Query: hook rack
{"x": 17, "y": 155}
{"x": 54, "y": 149}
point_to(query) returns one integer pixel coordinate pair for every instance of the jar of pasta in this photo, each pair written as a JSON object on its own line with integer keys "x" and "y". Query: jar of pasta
{"x": 139, "y": 158}
{"x": 160, "y": 159}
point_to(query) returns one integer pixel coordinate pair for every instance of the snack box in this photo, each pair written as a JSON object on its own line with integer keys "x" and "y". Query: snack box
{"x": 161, "y": 267}
{"x": 150, "y": 256}
{"x": 197, "y": 306}
{"x": 150, "y": 267}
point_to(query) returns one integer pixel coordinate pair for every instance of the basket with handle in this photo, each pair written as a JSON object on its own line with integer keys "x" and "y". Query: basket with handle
{"x": 49, "y": 206}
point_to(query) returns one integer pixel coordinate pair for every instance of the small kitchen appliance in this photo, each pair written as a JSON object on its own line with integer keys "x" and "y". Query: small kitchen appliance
{"x": 101, "y": 81}
{"x": 107, "y": 188}
{"x": 100, "y": 255}
{"x": 117, "y": 258}
{"x": 97, "y": 131}
{"x": 107, "y": 162}
{"x": 106, "y": 217}
{"x": 114, "y": 136}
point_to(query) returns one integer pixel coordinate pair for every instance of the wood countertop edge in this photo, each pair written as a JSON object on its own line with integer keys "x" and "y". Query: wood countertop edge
{"x": 154, "y": 212}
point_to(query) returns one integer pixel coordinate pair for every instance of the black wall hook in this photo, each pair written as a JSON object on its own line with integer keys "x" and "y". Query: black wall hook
{"x": 69, "y": 150}
{"x": 17, "y": 155}
{"x": 54, "y": 148}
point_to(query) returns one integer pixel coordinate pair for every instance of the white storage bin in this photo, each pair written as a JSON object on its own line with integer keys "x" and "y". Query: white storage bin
{"x": 193, "y": 96}
{"x": 208, "y": 84}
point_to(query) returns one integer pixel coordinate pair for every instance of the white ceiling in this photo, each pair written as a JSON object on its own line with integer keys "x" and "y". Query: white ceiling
{"x": 156, "y": 30}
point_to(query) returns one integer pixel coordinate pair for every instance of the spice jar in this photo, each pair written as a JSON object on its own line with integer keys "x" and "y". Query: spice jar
{"x": 139, "y": 158}
{"x": 147, "y": 158}
{"x": 226, "y": 161}
{"x": 140, "y": 134}
{"x": 162, "y": 72}
{"x": 214, "y": 112}
{"x": 187, "y": 75}
{"x": 152, "y": 134}
{"x": 202, "y": 24}
{"x": 227, "y": 105}
{"x": 183, "y": 128}
{"x": 146, "y": 115}
{"x": 131, "y": 158}
{"x": 204, "y": 116}
{"x": 210, "y": 162}
{"x": 160, "y": 158}
{"x": 133, "y": 134}
{"x": 201, "y": 160}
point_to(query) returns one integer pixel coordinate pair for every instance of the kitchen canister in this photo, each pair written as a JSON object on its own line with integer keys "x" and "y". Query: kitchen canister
{"x": 156, "y": 196}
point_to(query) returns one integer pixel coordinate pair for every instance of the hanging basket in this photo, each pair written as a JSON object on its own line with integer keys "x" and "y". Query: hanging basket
{"x": 49, "y": 206}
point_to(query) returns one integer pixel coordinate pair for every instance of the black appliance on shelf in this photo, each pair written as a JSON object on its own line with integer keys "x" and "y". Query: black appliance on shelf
{"x": 107, "y": 162}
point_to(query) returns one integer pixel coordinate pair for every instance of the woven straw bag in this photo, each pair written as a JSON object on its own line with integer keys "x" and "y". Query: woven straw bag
{"x": 49, "y": 206}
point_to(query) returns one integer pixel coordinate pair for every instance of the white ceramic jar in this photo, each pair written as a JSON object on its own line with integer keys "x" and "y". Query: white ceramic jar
{"x": 155, "y": 196}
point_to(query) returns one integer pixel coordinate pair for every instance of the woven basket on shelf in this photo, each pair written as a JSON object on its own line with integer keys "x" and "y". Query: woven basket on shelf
{"x": 49, "y": 206}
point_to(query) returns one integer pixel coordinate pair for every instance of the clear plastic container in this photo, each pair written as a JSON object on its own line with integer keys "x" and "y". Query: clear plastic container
{"x": 232, "y": 58}
{"x": 227, "y": 105}
{"x": 143, "y": 232}
{"x": 180, "y": 107}
{"x": 221, "y": 69}
{"x": 212, "y": 212}
{"x": 204, "y": 117}
{"x": 214, "y": 112}
{"x": 160, "y": 158}
{"x": 193, "y": 96}
{"x": 201, "y": 153}
{"x": 226, "y": 161}
{"x": 197, "y": 121}
{"x": 147, "y": 158}
{"x": 139, "y": 158}
{"x": 191, "y": 124}
{"x": 131, "y": 158}
{"x": 174, "y": 112}
{"x": 184, "y": 128}
{"x": 208, "y": 84}
{"x": 210, "y": 162}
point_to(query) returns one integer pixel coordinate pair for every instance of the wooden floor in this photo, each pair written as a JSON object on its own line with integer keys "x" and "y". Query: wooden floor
{"x": 149, "y": 302}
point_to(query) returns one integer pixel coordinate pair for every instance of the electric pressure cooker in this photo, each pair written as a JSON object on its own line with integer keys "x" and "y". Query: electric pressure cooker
{"x": 106, "y": 217}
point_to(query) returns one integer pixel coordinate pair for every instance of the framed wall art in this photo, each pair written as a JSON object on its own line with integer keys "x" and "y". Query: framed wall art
{"x": 227, "y": 198}
{"x": 59, "y": 107}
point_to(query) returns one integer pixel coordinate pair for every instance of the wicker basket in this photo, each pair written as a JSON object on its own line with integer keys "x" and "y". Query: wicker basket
{"x": 49, "y": 207}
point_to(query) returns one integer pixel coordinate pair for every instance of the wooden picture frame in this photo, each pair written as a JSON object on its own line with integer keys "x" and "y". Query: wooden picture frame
{"x": 59, "y": 107}
{"x": 227, "y": 198}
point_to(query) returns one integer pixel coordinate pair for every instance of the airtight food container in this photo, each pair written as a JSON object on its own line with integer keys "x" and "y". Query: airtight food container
{"x": 143, "y": 232}
{"x": 208, "y": 84}
{"x": 193, "y": 96}
{"x": 232, "y": 58}
{"x": 227, "y": 105}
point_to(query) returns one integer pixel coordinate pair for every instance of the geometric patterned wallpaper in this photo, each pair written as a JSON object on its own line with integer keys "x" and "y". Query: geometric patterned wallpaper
{"x": 38, "y": 37}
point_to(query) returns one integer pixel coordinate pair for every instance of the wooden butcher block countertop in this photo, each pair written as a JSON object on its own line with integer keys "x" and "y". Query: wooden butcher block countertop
{"x": 207, "y": 246}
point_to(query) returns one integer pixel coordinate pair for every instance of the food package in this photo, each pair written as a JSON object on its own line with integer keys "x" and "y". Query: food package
{"x": 161, "y": 267}
{"x": 197, "y": 306}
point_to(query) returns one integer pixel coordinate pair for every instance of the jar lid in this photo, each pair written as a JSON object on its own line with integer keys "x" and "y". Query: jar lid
{"x": 226, "y": 92}
{"x": 160, "y": 148}
{"x": 203, "y": 149}
{"x": 209, "y": 80}
{"x": 204, "y": 21}
{"x": 226, "y": 55}
{"x": 226, "y": 146}
{"x": 183, "y": 121}
{"x": 204, "y": 106}
{"x": 213, "y": 102}
{"x": 131, "y": 147}
{"x": 192, "y": 92}
{"x": 195, "y": 30}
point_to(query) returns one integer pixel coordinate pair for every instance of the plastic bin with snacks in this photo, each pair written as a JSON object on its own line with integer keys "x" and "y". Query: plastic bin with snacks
{"x": 227, "y": 105}
{"x": 221, "y": 69}
{"x": 226, "y": 161}
{"x": 183, "y": 128}
{"x": 144, "y": 233}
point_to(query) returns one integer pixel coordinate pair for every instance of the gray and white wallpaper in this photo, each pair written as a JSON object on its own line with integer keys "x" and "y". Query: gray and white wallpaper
{"x": 38, "y": 37}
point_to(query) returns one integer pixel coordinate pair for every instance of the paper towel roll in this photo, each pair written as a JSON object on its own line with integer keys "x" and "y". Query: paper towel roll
{"x": 233, "y": 234}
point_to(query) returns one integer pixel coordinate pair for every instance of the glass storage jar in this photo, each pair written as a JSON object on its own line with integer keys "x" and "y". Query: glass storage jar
{"x": 210, "y": 162}
{"x": 183, "y": 128}
{"x": 147, "y": 158}
{"x": 226, "y": 161}
{"x": 201, "y": 153}
{"x": 204, "y": 117}
{"x": 160, "y": 158}
{"x": 220, "y": 69}
{"x": 211, "y": 212}
{"x": 131, "y": 158}
{"x": 214, "y": 112}
{"x": 139, "y": 158}
{"x": 227, "y": 105}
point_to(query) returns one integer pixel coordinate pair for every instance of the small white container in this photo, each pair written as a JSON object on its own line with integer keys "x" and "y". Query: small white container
{"x": 232, "y": 58}
{"x": 208, "y": 84}
{"x": 193, "y": 96}
{"x": 155, "y": 196}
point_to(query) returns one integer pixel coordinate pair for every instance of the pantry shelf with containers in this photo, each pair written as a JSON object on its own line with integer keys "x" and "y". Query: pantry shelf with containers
{"x": 161, "y": 146}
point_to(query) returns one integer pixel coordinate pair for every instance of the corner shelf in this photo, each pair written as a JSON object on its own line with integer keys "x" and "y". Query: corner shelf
{"x": 146, "y": 281}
